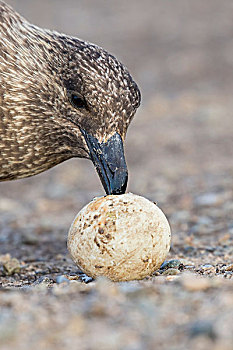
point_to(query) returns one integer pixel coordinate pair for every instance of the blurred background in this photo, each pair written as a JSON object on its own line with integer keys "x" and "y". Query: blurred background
{"x": 179, "y": 152}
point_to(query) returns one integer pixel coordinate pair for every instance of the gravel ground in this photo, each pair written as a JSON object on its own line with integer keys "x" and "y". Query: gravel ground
{"x": 179, "y": 154}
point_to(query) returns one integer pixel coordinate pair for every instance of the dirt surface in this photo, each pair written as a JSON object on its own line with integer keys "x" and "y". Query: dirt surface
{"x": 179, "y": 154}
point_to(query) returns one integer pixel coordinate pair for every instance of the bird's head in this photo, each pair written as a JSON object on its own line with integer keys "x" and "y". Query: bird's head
{"x": 100, "y": 98}
{"x": 67, "y": 98}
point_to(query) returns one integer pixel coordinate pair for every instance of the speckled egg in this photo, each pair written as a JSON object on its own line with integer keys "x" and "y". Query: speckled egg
{"x": 124, "y": 237}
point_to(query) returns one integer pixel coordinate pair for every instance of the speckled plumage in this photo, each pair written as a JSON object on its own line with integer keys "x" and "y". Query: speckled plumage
{"x": 39, "y": 127}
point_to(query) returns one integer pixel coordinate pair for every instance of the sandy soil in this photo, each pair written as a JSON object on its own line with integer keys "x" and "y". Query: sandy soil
{"x": 179, "y": 154}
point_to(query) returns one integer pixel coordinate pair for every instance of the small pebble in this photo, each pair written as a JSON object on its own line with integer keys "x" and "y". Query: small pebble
{"x": 207, "y": 268}
{"x": 62, "y": 279}
{"x": 170, "y": 272}
{"x": 229, "y": 267}
{"x": 43, "y": 280}
{"x": 86, "y": 279}
{"x": 12, "y": 266}
{"x": 175, "y": 263}
{"x": 188, "y": 265}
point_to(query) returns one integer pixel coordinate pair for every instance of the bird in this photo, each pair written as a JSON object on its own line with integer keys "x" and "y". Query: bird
{"x": 61, "y": 97}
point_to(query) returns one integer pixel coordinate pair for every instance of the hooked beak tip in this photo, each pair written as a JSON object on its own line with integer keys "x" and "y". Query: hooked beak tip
{"x": 109, "y": 161}
{"x": 119, "y": 182}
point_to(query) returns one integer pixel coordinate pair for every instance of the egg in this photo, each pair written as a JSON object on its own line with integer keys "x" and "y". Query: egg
{"x": 122, "y": 237}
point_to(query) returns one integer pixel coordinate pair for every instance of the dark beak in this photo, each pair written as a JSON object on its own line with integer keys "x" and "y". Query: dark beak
{"x": 109, "y": 161}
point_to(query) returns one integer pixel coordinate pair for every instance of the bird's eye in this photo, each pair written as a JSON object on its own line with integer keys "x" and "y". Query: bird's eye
{"x": 76, "y": 99}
